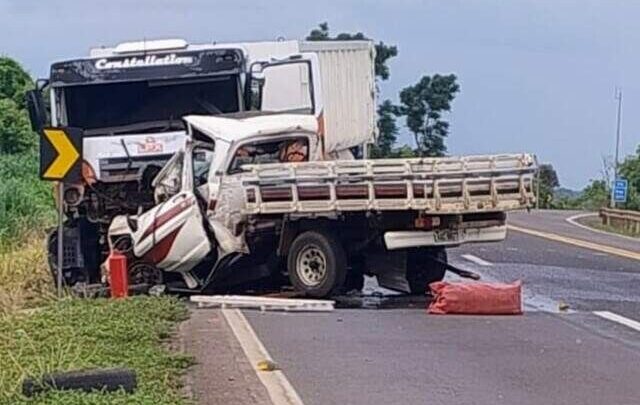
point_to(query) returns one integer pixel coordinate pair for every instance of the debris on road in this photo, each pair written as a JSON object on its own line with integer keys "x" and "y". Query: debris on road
{"x": 476, "y": 298}
{"x": 263, "y": 303}
{"x": 563, "y": 306}
{"x": 266, "y": 365}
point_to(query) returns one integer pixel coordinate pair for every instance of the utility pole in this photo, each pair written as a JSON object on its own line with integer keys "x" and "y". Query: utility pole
{"x": 618, "y": 97}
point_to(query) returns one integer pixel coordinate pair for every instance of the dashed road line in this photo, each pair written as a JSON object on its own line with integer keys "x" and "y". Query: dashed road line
{"x": 476, "y": 260}
{"x": 278, "y": 386}
{"x": 619, "y": 319}
{"x": 579, "y": 242}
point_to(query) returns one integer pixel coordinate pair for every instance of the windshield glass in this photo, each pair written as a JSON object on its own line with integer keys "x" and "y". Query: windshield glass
{"x": 162, "y": 103}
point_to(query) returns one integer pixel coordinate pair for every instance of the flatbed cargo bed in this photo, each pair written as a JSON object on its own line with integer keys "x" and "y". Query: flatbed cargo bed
{"x": 449, "y": 185}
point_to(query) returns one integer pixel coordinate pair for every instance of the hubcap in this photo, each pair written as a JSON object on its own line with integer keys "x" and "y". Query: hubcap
{"x": 311, "y": 265}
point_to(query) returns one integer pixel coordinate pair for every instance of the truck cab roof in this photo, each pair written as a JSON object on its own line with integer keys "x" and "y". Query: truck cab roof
{"x": 230, "y": 129}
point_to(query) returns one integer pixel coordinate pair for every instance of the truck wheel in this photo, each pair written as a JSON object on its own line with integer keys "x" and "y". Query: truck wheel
{"x": 421, "y": 271}
{"x": 317, "y": 264}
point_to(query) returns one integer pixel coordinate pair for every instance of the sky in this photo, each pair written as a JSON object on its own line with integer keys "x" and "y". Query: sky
{"x": 535, "y": 76}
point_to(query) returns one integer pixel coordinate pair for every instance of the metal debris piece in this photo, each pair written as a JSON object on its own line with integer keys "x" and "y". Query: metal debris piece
{"x": 266, "y": 365}
{"x": 263, "y": 303}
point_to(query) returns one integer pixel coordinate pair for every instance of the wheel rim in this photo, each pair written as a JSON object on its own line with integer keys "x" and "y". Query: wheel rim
{"x": 311, "y": 265}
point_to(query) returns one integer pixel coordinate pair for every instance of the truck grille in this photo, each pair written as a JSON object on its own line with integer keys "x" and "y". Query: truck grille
{"x": 124, "y": 169}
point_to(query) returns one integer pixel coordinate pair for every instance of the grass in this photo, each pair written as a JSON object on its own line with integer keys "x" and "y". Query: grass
{"x": 76, "y": 334}
{"x": 40, "y": 334}
{"x": 25, "y": 281}
{"x": 26, "y": 202}
{"x": 596, "y": 222}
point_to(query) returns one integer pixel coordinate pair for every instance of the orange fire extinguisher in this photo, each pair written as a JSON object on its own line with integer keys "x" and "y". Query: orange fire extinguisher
{"x": 118, "y": 275}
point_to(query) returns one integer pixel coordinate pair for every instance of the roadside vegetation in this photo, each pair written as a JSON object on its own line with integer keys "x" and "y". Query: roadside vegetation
{"x": 40, "y": 333}
{"x": 597, "y": 193}
{"x": 75, "y": 334}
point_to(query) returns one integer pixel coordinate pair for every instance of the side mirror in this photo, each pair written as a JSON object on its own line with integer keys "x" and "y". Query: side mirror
{"x": 253, "y": 89}
{"x": 37, "y": 110}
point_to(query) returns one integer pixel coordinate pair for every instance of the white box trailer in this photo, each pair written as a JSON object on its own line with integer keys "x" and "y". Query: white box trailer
{"x": 347, "y": 82}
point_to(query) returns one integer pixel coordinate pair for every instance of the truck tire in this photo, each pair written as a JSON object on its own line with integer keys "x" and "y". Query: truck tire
{"x": 112, "y": 379}
{"x": 317, "y": 264}
{"x": 422, "y": 271}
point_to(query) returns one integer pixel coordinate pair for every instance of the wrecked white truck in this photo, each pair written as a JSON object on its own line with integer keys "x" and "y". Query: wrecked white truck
{"x": 251, "y": 197}
{"x": 129, "y": 100}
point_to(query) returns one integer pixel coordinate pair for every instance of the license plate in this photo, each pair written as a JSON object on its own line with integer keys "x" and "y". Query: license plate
{"x": 446, "y": 236}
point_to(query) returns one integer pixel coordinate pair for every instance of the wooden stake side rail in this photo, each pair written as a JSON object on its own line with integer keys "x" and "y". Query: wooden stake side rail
{"x": 443, "y": 185}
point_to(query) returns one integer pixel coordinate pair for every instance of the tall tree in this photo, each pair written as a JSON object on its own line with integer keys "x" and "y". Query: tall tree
{"x": 423, "y": 105}
{"x": 548, "y": 179}
{"x": 15, "y": 132}
{"x": 14, "y": 81}
{"x": 387, "y": 130}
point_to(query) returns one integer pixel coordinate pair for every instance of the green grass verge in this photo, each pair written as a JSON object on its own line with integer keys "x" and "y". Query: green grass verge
{"x": 26, "y": 202}
{"x": 75, "y": 334}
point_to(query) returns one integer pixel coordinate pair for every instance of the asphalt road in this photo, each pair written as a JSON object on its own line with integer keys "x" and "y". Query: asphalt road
{"x": 403, "y": 355}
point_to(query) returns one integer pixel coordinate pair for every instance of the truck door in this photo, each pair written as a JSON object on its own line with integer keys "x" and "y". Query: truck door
{"x": 289, "y": 85}
{"x": 172, "y": 235}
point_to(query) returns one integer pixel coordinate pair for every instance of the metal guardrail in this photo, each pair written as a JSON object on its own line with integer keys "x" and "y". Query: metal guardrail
{"x": 629, "y": 220}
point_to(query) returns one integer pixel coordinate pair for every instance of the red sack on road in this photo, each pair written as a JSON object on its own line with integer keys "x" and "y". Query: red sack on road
{"x": 476, "y": 298}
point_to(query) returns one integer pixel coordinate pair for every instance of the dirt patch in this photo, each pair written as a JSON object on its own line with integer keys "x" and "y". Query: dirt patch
{"x": 222, "y": 374}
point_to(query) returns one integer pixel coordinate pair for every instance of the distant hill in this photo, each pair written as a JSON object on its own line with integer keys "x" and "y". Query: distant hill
{"x": 563, "y": 192}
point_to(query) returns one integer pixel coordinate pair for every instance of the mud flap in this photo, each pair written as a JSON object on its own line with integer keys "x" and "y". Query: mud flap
{"x": 390, "y": 269}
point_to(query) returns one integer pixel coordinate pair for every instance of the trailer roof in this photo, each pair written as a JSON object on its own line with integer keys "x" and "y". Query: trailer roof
{"x": 232, "y": 129}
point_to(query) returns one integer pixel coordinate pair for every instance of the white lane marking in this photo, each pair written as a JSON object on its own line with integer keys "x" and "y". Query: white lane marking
{"x": 278, "y": 386}
{"x": 477, "y": 260}
{"x": 573, "y": 221}
{"x": 619, "y": 318}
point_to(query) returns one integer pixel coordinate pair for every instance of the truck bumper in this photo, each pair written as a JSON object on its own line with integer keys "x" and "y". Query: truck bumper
{"x": 448, "y": 237}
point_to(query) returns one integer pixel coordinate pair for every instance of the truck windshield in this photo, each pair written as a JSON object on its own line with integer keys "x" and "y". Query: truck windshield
{"x": 113, "y": 105}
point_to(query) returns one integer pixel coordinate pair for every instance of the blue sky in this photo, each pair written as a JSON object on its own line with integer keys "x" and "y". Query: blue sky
{"x": 535, "y": 76}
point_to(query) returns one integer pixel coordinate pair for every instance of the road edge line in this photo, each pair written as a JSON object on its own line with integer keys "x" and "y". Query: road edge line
{"x": 578, "y": 242}
{"x": 280, "y": 390}
{"x": 572, "y": 221}
{"x": 612, "y": 316}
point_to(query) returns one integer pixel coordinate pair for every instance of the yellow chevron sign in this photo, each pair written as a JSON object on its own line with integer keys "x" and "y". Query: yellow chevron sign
{"x": 60, "y": 152}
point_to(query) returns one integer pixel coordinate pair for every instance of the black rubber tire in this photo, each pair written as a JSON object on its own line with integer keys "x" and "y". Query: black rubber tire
{"x": 421, "y": 271}
{"x": 85, "y": 380}
{"x": 336, "y": 263}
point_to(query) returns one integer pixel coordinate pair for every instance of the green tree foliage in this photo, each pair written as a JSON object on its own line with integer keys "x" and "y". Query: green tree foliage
{"x": 595, "y": 196}
{"x": 387, "y": 130}
{"x": 16, "y": 135}
{"x": 384, "y": 52}
{"x": 548, "y": 179}
{"x": 15, "y": 131}
{"x": 630, "y": 170}
{"x": 14, "y": 81}
{"x": 423, "y": 105}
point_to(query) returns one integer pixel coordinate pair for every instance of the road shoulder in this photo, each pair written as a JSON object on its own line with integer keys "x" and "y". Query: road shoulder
{"x": 222, "y": 374}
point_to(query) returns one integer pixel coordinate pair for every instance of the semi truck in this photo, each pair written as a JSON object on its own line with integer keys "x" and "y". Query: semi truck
{"x": 129, "y": 101}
